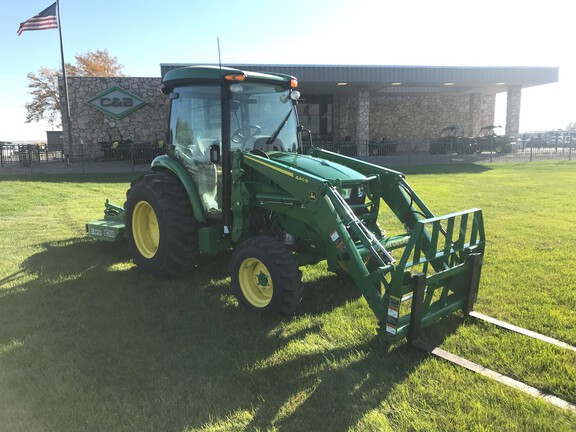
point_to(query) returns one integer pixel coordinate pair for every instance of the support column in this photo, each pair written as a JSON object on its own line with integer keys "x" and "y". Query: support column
{"x": 363, "y": 122}
{"x": 513, "y": 110}
{"x": 475, "y": 118}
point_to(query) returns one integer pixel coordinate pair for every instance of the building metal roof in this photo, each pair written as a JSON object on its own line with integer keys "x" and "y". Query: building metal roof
{"x": 403, "y": 80}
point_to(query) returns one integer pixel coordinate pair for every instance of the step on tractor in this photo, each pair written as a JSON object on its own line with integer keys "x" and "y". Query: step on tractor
{"x": 235, "y": 179}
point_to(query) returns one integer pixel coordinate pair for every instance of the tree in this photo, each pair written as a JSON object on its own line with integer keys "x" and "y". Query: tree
{"x": 45, "y": 103}
{"x": 97, "y": 64}
{"x": 43, "y": 84}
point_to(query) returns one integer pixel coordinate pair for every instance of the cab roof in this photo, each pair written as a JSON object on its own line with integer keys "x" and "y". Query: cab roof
{"x": 214, "y": 74}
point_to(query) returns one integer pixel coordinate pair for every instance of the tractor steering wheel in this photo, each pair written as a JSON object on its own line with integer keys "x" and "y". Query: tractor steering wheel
{"x": 243, "y": 134}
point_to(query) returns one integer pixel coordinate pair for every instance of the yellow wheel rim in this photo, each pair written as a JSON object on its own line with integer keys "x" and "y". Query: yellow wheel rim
{"x": 145, "y": 229}
{"x": 255, "y": 282}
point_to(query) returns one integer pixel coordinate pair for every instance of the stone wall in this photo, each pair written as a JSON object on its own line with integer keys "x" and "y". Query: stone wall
{"x": 412, "y": 120}
{"x": 90, "y": 127}
{"x": 344, "y": 118}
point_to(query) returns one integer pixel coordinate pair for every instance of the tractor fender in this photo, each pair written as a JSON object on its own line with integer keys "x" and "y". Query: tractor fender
{"x": 164, "y": 162}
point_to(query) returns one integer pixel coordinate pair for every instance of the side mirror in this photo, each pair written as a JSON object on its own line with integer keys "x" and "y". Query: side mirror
{"x": 215, "y": 153}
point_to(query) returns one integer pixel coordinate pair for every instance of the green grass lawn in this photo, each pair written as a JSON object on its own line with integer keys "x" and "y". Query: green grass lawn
{"x": 89, "y": 343}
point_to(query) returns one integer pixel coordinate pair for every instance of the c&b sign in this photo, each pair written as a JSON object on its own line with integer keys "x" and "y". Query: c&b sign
{"x": 116, "y": 102}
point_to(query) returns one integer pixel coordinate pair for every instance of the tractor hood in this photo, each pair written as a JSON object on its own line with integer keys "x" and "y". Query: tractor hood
{"x": 319, "y": 167}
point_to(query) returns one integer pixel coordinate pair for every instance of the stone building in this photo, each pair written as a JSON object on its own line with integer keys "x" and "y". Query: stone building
{"x": 408, "y": 104}
{"x": 105, "y": 109}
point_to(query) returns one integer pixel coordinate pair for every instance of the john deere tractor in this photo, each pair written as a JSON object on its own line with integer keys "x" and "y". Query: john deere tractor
{"x": 235, "y": 178}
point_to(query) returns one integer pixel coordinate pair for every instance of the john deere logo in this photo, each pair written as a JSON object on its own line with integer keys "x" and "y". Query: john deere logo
{"x": 116, "y": 102}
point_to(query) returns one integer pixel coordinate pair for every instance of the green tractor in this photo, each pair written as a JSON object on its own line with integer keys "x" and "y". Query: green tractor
{"x": 234, "y": 178}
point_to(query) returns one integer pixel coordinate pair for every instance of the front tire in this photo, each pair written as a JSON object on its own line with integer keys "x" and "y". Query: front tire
{"x": 265, "y": 276}
{"x": 161, "y": 230}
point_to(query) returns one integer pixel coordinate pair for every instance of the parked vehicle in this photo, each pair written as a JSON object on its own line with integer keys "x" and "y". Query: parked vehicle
{"x": 119, "y": 149}
{"x": 550, "y": 139}
{"x": 451, "y": 140}
{"x": 488, "y": 141}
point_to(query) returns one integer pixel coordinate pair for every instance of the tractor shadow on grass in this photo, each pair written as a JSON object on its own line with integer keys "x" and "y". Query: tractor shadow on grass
{"x": 95, "y": 344}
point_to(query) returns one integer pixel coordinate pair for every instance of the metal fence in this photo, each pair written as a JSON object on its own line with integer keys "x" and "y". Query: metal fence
{"x": 109, "y": 157}
{"x": 26, "y": 155}
{"x": 416, "y": 152}
{"x": 134, "y": 157}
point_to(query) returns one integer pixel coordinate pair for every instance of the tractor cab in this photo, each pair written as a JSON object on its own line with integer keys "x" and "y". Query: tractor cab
{"x": 218, "y": 111}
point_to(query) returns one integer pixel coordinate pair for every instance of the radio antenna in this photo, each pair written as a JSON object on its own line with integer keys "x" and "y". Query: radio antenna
{"x": 219, "y": 58}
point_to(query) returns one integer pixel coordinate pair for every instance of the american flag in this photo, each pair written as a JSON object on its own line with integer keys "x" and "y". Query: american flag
{"x": 43, "y": 21}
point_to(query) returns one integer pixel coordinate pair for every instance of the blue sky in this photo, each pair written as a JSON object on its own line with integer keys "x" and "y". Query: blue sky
{"x": 142, "y": 34}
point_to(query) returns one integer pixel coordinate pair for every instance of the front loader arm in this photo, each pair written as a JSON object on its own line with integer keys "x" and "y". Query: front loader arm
{"x": 302, "y": 199}
{"x": 439, "y": 250}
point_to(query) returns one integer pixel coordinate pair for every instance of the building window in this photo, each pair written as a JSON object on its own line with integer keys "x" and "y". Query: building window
{"x": 315, "y": 113}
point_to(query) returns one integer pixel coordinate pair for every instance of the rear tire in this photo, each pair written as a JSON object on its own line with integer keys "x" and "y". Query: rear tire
{"x": 161, "y": 230}
{"x": 265, "y": 276}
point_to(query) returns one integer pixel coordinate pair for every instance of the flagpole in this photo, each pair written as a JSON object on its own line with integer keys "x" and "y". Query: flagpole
{"x": 65, "y": 82}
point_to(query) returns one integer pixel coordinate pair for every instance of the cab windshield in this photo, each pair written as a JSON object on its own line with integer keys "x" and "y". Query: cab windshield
{"x": 262, "y": 117}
